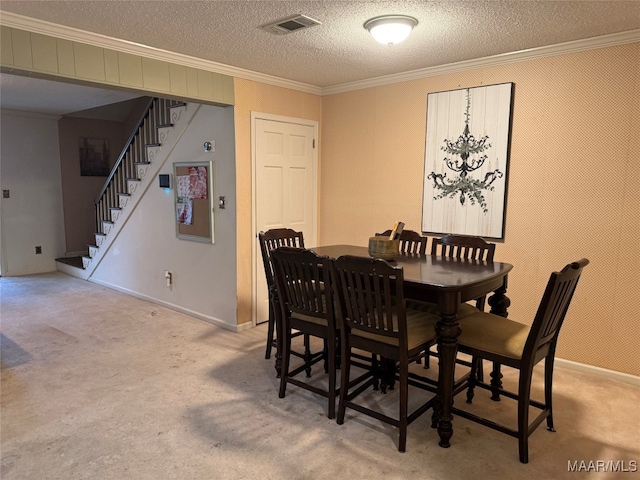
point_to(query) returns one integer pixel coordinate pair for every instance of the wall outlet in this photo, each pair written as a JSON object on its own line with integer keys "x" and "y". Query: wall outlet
{"x": 38, "y": 250}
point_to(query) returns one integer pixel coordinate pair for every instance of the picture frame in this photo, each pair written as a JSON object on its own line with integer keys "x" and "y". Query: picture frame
{"x": 467, "y": 147}
{"x": 95, "y": 156}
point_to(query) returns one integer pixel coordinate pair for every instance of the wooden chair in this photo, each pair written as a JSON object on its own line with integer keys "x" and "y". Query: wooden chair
{"x": 411, "y": 242}
{"x": 465, "y": 246}
{"x": 269, "y": 241}
{"x": 306, "y": 303}
{"x": 515, "y": 345}
{"x": 371, "y": 305}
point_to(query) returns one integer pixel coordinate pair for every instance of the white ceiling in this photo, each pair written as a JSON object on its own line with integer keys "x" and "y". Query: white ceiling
{"x": 340, "y": 50}
{"x": 30, "y": 94}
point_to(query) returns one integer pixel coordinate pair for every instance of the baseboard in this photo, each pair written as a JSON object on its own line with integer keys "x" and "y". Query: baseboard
{"x": 213, "y": 320}
{"x": 602, "y": 372}
{"x": 72, "y": 271}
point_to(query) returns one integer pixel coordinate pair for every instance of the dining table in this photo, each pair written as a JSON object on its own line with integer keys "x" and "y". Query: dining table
{"x": 447, "y": 282}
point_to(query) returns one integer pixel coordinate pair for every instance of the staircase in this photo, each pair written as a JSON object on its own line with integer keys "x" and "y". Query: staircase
{"x": 139, "y": 162}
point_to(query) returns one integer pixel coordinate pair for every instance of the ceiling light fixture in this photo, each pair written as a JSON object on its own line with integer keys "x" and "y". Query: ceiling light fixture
{"x": 390, "y": 29}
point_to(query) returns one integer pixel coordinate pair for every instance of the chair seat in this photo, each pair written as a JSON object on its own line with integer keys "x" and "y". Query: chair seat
{"x": 421, "y": 329}
{"x": 486, "y": 332}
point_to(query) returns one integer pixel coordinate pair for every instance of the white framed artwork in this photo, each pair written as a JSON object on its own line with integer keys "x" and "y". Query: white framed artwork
{"x": 466, "y": 161}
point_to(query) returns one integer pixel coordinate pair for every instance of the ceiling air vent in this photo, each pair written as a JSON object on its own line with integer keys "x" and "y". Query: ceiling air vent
{"x": 291, "y": 24}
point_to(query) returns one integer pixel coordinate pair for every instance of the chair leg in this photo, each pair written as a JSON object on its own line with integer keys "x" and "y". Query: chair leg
{"x": 375, "y": 371}
{"x": 331, "y": 349}
{"x": 404, "y": 406}
{"x": 307, "y": 355}
{"x": 286, "y": 356}
{"x": 548, "y": 395}
{"x": 344, "y": 381}
{"x": 496, "y": 382}
{"x": 524, "y": 396}
{"x": 473, "y": 376}
{"x": 480, "y": 370}
{"x": 270, "y": 328}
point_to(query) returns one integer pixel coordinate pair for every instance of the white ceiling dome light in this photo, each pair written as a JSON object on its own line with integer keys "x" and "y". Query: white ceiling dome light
{"x": 390, "y": 29}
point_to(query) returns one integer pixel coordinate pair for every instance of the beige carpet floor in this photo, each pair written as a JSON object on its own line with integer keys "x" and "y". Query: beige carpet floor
{"x": 100, "y": 385}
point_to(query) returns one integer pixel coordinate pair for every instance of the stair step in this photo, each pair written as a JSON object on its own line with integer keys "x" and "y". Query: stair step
{"x": 86, "y": 261}
{"x": 106, "y": 226}
{"x": 72, "y": 261}
{"x": 99, "y": 238}
{"x": 142, "y": 163}
{"x": 153, "y": 145}
{"x": 115, "y": 213}
{"x": 123, "y": 199}
{"x": 93, "y": 250}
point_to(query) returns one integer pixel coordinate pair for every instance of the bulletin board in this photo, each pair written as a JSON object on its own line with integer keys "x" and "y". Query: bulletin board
{"x": 193, "y": 201}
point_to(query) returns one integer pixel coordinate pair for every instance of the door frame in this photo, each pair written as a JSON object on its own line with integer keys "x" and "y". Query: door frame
{"x": 256, "y": 261}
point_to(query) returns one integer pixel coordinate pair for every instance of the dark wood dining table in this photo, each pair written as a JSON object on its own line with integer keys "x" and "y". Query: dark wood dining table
{"x": 447, "y": 282}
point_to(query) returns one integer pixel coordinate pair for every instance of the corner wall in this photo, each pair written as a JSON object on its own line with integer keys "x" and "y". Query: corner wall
{"x": 258, "y": 97}
{"x": 80, "y": 192}
{"x": 33, "y": 215}
{"x": 204, "y": 274}
{"x": 572, "y": 189}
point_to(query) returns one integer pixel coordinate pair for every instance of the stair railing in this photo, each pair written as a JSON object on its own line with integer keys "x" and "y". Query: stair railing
{"x": 133, "y": 154}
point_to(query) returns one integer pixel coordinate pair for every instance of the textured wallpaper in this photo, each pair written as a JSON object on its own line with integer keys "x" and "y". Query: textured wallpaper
{"x": 572, "y": 184}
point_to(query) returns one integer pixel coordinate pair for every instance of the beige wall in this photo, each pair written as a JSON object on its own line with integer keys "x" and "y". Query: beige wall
{"x": 258, "y": 97}
{"x": 572, "y": 188}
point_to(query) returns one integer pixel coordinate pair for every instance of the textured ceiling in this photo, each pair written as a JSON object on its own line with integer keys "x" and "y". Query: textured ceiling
{"x": 340, "y": 50}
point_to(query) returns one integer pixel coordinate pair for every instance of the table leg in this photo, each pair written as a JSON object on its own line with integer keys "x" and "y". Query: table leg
{"x": 499, "y": 304}
{"x": 448, "y": 331}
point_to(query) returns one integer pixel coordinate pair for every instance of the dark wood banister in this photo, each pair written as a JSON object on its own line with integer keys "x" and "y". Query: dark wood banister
{"x": 124, "y": 151}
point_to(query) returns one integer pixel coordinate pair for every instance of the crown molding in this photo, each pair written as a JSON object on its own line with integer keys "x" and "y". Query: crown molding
{"x": 610, "y": 40}
{"x": 21, "y": 113}
{"x": 42, "y": 27}
{"x": 68, "y": 33}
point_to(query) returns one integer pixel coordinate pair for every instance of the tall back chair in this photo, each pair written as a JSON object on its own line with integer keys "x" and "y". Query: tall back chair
{"x": 515, "y": 345}
{"x": 411, "y": 242}
{"x": 269, "y": 241}
{"x": 375, "y": 319}
{"x": 465, "y": 246}
{"x": 306, "y": 301}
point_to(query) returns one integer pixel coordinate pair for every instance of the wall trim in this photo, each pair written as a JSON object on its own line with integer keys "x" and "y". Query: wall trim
{"x": 97, "y": 40}
{"x": 601, "y": 372}
{"x": 90, "y": 38}
{"x": 209, "y": 319}
{"x": 593, "y": 43}
{"x": 21, "y": 113}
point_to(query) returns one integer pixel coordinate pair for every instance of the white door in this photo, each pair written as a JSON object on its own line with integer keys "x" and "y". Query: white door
{"x": 285, "y": 189}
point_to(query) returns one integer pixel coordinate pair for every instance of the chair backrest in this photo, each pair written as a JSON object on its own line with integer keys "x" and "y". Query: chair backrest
{"x": 272, "y": 239}
{"x": 371, "y": 297}
{"x": 303, "y": 282}
{"x": 553, "y": 307}
{"x": 463, "y": 246}
{"x": 411, "y": 242}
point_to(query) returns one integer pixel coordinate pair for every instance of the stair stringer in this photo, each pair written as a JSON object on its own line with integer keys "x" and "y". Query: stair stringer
{"x": 161, "y": 154}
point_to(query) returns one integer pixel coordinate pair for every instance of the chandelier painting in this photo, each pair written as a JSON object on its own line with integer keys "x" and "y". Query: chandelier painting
{"x": 464, "y": 190}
